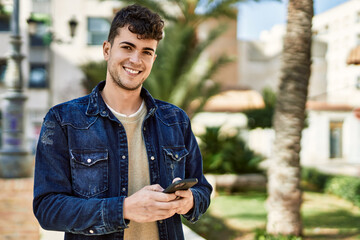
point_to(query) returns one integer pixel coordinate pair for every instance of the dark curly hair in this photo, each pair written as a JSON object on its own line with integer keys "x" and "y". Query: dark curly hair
{"x": 140, "y": 20}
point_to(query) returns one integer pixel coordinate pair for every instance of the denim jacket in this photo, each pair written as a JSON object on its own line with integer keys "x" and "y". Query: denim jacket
{"x": 81, "y": 170}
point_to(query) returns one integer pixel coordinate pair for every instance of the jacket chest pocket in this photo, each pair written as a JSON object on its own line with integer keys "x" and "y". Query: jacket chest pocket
{"x": 175, "y": 158}
{"x": 89, "y": 170}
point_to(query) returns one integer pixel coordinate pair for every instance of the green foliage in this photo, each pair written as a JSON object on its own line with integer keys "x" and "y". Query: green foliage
{"x": 262, "y": 235}
{"x": 227, "y": 154}
{"x": 94, "y": 73}
{"x": 313, "y": 179}
{"x": 345, "y": 187}
{"x": 262, "y": 118}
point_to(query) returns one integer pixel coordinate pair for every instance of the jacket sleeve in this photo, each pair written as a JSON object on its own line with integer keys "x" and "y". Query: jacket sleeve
{"x": 194, "y": 169}
{"x": 54, "y": 203}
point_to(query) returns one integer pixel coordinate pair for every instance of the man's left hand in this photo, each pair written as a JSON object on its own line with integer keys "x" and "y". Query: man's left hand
{"x": 186, "y": 200}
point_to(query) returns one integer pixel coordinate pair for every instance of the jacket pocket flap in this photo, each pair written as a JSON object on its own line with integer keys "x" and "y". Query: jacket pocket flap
{"x": 89, "y": 157}
{"x": 176, "y": 153}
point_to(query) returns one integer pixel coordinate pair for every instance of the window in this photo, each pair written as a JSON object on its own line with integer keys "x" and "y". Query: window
{"x": 2, "y": 69}
{"x": 336, "y": 139}
{"x": 5, "y": 23}
{"x": 358, "y": 82}
{"x": 38, "y": 76}
{"x": 42, "y": 37}
{"x": 5, "y": 16}
{"x": 98, "y": 29}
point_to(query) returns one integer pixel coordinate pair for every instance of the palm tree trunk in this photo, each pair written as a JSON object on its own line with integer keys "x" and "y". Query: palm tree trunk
{"x": 285, "y": 196}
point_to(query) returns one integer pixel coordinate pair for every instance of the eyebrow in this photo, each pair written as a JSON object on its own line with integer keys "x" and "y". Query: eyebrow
{"x": 133, "y": 45}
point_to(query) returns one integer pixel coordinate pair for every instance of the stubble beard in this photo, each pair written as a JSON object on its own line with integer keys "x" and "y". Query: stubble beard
{"x": 117, "y": 80}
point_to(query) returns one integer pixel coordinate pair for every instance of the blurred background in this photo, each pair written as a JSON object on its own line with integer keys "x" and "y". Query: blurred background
{"x": 222, "y": 65}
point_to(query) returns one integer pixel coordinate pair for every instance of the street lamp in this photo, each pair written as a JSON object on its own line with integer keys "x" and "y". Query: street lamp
{"x": 15, "y": 159}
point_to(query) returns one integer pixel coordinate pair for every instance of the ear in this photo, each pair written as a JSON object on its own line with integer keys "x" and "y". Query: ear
{"x": 154, "y": 58}
{"x": 106, "y": 50}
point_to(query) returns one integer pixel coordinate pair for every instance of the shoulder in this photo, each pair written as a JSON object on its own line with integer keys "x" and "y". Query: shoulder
{"x": 170, "y": 114}
{"x": 78, "y": 104}
{"x": 72, "y": 112}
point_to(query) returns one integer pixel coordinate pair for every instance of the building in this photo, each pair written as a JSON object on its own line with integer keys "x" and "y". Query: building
{"x": 333, "y": 132}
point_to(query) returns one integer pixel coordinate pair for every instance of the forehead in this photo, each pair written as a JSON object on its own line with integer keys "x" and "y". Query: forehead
{"x": 125, "y": 35}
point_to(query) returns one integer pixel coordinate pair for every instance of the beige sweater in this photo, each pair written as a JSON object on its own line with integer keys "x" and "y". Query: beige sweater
{"x": 138, "y": 170}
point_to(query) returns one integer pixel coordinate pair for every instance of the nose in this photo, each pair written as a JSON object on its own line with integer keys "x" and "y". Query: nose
{"x": 135, "y": 57}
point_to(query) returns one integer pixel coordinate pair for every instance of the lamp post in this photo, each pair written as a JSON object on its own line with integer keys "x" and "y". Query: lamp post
{"x": 15, "y": 161}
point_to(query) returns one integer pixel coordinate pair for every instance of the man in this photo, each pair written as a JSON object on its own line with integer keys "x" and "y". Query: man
{"x": 103, "y": 160}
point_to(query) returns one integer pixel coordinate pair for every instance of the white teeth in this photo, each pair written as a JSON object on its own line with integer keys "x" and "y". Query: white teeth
{"x": 131, "y": 71}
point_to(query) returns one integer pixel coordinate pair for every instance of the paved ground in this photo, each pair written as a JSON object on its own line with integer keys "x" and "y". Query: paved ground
{"x": 16, "y": 217}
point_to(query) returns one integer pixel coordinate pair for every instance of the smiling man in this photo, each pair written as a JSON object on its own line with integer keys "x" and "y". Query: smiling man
{"x": 103, "y": 160}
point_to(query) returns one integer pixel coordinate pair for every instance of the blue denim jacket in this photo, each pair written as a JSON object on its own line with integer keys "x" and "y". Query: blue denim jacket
{"x": 81, "y": 171}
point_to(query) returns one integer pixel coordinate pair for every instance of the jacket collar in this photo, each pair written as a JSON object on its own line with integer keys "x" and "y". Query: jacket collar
{"x": 97, "y": 105}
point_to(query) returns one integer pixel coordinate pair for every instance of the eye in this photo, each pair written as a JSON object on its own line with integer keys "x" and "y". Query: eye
{"x": 126, "y": 47}
{"x": 148, "y": 53}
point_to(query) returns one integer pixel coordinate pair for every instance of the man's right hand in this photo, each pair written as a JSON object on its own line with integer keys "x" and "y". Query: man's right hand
{"x": 150, "y": 204}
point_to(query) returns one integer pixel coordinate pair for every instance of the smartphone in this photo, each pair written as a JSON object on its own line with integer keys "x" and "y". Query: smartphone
{"x": 181, "y": 185}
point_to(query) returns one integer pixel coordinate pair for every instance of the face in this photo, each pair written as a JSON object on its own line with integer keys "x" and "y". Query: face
{"x": 129, "y": 59}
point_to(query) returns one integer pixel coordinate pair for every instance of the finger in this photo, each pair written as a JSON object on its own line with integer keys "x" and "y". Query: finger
{"x": 176, "y": 179}
{"x": 155, "y": 187}
{"x": 163, "y": 197}
{"x": 183, "y": 193}
{"x": 167, "y": 206}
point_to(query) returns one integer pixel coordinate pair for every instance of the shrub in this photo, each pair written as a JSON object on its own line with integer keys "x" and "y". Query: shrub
{"x": 262, "y": 118}
{"x": 94, "y": 72}
{"x": 312, "y": 179}
{"x": 345, "y": 187}
{"x": 227, "y": 154}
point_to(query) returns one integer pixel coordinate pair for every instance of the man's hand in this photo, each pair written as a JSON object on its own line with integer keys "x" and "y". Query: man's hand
{"x": 185, "y": 198}
{"x": 150, "y": 204}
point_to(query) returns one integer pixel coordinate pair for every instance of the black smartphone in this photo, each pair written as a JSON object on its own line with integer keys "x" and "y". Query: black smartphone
{"x": 181, "y": 185}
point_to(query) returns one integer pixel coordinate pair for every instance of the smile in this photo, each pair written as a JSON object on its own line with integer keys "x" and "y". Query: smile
{"x": 131, "y": 71}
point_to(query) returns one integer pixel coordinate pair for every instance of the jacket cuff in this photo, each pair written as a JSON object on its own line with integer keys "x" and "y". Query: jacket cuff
{"x": 114, "y": 217}
{"x": 194, "y": 215}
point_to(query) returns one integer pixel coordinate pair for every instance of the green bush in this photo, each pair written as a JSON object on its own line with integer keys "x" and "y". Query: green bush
{"x": 345, "y": 187}
{"x": 262, "y": 235}
{"x": 227, "y": 154}
{"x": 262, "y": 118}
{"x": 312, "y": 179}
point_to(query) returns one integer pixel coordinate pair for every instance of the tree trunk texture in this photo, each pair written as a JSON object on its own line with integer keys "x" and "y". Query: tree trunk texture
{"x": 285, "y": 196}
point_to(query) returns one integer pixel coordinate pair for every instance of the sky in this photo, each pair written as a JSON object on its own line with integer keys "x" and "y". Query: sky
{"x": 255, "y": 17}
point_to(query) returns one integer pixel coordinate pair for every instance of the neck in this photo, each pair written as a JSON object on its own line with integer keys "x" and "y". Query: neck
{"x": 121, "y": 100}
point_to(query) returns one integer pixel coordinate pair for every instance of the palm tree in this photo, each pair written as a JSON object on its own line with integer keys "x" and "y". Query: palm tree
{"x": 285, "y": 196}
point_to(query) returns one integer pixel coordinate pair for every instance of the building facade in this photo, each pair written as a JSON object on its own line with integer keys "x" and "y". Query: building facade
{"x": 333, "y": 132}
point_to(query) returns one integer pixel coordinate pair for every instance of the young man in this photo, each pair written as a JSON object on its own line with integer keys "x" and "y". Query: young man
{"x": 103, "y": 160}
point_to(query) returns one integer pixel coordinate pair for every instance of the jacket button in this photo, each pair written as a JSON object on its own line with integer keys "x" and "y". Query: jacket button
{"x": 91, "y": 231}
{"x": 160, "y": 221}
{"x": 176, "y": 156}
{"x": 152, "y": 158}
{"x": 104, "y": 112}
{"x": 123, "y": 189}
{"x": 89, "y": 160}
{"x": 123, "y": 157}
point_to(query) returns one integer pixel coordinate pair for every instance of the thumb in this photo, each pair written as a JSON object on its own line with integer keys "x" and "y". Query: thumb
{"x": 176, "y": 179}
